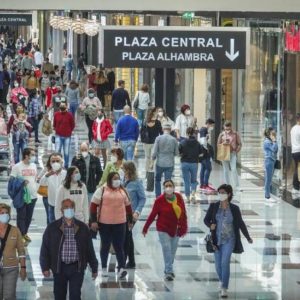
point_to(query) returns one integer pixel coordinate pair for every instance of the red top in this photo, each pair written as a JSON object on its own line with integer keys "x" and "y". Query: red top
{"x": 105, "y": 129}
{"x": 63, "y": 123}
{"x": 50, "y": 91}
{"x": 167, "y": 220}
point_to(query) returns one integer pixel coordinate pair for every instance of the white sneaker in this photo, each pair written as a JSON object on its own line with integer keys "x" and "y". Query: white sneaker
{"x": 224, "y": 293}
{"x": 104, "y": 273}
{"x": 220, "y": 286}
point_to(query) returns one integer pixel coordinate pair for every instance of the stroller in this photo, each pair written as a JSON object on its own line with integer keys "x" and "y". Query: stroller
{"x": 4, "y": 155}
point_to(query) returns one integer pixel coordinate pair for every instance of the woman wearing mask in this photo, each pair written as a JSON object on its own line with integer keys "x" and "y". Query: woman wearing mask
{"x": 163, "y": 118}
{"x": 17, "y": 93}
{"x": 149, "y": 132}
{"x": 141, "y": 102}
{"x": 72, "y": 188}
{"x": 72, "y": 93}
{"x": 183, "y": 121}
{"x": 101, "y": 130}
{"x": 270, "y": 153}
{"x": 136, "y": 192}
{"x": 90, "y": 105}
{"x": 110, "y": 209}
{"x": 11, "y": 246}
{"x": 53, "y": 177}
{"x": 171, "y": 224}
{"x": 115, "y": 165}
{"x": 225, "y": 222}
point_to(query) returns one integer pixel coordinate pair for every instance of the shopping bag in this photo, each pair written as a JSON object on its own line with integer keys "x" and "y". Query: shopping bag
{"x": 223, "y": 152}
{"x": 150, "y": 181}
{"x": 43, "y": 190}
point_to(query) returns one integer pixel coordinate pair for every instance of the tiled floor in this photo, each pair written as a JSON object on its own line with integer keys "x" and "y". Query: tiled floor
{"x": 269, "y": 268}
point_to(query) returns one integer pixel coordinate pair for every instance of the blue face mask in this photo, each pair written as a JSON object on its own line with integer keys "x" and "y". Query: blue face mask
{"x": 69, "y": 213}
{"x": 4, "y": 218}
{"x": 76, "y": 177}
{"x": 32, "y": 159}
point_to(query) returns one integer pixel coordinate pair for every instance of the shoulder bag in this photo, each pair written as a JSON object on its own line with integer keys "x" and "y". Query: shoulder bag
{"x": 136, "y": 102}
{"x": 3, "y": 243}
{"x": 210, "y": 247}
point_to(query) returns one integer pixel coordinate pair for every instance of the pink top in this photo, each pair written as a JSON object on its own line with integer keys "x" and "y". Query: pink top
{"x": 232, "y": 138}
{"x": 113, "y": 207}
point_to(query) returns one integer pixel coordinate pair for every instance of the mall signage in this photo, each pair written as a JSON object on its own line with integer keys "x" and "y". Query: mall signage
{"x": 16, "y": 19}
{"x": 149, "y": 47}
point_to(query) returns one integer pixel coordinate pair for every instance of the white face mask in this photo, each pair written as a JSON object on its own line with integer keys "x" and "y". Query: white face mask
{"x": 187, "y": 112}
{"x": 169, "y": 190}
{"x": 160, "y": 114}
{"x": 210, "y": 129}
{"x": 116, "y": 183}
{"x": 56, "y": 166}
{"x": 223, "y": 197}
{"x": 113, "y": 159}
{"x": 84, "y": 154}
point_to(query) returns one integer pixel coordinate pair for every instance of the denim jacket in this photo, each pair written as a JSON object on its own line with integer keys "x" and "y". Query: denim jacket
{"x": 137, "y": 195}
{"x": 270, "y": 149}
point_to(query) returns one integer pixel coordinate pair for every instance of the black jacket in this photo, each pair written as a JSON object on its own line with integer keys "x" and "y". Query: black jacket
{"x": 52, "y": 245}
{"x": 120, "y": 98}
{"x": 189, "y": 150}
{"x": 95, "y": 171}
{"x": 238, "y": 224}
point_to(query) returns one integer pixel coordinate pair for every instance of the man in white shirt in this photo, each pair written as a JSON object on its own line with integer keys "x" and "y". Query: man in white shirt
{"x": 28, "y": 171}
{"x": 295, "y": 142}
{"x": 38, "y": 58}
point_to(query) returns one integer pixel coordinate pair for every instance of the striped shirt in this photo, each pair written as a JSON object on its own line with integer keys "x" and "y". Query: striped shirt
{"x": 69, "y": 253}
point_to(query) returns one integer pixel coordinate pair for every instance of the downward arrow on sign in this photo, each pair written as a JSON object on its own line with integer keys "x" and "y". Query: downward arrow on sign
{"x": 231, "y": 55}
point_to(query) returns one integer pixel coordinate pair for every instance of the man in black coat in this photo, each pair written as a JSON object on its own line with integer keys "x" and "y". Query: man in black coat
{"x": 66, "y": 250}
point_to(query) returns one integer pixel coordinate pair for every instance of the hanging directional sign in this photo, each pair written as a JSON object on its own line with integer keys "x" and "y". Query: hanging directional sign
{"x": 216, "y": 47}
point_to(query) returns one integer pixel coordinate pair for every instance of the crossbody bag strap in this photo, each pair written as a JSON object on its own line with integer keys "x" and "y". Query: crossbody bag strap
{"x": 3, "y": 242}
{"x": 101, "y": 202}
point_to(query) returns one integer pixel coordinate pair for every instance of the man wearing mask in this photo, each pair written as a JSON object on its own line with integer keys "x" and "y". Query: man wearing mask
{"x": 28, "y": 171}
{"x": 38, "y": 58}
{"x": 27, "y": 63}
{"x": 63, "y": 124}
{"x": 58, "y": 99}
{"x": 205, "y": 141}
{"x": 89, "y": 168}
{"x": 80, "y": 66}
{"x": 69, "y": 65}
{"x": 164, "y": 151}
{"x": 47, "y": 66}
{"x": 66, "y": 250}
{"x": 52, "y": 179}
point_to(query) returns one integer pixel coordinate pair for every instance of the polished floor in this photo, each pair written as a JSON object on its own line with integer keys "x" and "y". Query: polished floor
{"x": 268, "y": 269}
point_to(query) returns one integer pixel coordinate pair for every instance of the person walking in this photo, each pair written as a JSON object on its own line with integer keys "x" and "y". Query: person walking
{"x": 52, "y": 179}
{"x": 120, "y": 98}
{"x": 73, "y": 188}
{"x": 89, "y": 167}
{"x": 69, "y": 65}
{"x": 231, "y": 138}
{"x": 28, "y": 171}
{"x": 66, "y": 250}
{"x": 136, "y": 192}
{"x": 141, "y": 103}
{"x": 183, "y": 121}
{"x": 127, "y": 133}
{"x": 164, "y": 151}
{"x": 270, "y": 154}
{"x": 190, "y": 151}
{"x": 80, "y": 66}
{"x": 171, "y": 224}
{"x": 224, "y": 219}
{"x": 11, "y": 245}
{"x": 295, "y": 142}
{"x": 90, "y": 106}
{"x": 72, "y": 93}
{"x": 63, "y": 124}
{"x": 205, "y": 141}
{"x": 38, "y": 58}
{"x": 47, "y": 66}
{"x": 149, "y": 132}
{"x": 114, "y": 208}
{"x": 101, "y": 83}
{"x": 34, "y": 111}
{"x": 101, "y": 130}
{"x": 27, "y": 63}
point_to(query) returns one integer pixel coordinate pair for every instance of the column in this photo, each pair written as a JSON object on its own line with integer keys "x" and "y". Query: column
{"x": 57, "y": 47}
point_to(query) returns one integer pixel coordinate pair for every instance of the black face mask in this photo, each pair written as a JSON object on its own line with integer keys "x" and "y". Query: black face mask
{"x": 63, "y": 108}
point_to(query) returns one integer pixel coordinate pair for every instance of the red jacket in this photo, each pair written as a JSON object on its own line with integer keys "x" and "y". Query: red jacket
{"x": 105, "y": 130}
{"x": 167, "y": 220}
{"x": 50, "y": 91}
{"x": 63, "y": 123}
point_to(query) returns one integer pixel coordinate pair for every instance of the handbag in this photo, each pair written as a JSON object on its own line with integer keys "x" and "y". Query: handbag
{"x": 277, "y": 165}
{"x": 223, "y": 153}
{"x": 136, "y": 102}
{"x": 210, "y": 247}
{"x": 43, "y": 190}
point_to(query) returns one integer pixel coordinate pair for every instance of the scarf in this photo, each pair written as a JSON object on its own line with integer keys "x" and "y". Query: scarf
{"x": 175, "y": 206}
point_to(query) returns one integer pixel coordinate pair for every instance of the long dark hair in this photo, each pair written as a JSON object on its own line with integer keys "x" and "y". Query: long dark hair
{"x": 68, "y": 179}
{"x": 150, "y": 114}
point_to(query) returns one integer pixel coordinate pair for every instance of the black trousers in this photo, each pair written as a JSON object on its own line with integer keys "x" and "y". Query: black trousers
{"x": 89, "y": 124}
{"x": 296, "y": 157}
{"x": 24, "y": 216}
{"x": 68, "y": 276}
{"x": 129, "y": 247}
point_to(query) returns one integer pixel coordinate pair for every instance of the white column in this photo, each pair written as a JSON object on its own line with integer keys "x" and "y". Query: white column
{"x": 57, "y": 47}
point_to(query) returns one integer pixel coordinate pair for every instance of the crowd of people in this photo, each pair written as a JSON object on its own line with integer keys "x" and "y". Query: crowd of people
{"x": 99, "y": 189}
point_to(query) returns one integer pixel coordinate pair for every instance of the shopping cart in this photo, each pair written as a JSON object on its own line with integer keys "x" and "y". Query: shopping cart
{"x": 4, "y": 155}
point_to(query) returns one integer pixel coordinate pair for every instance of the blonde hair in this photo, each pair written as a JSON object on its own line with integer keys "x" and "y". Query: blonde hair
{"x": 5, "y": 206}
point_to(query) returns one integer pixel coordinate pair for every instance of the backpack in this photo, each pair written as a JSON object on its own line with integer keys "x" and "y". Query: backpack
{"x": 47, "y": 127}
{"x": 91, "y": 111}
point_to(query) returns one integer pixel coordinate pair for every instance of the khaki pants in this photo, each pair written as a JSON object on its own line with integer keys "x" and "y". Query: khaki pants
{"x": 8, "y": 283}
{"x": 148, "y": 151}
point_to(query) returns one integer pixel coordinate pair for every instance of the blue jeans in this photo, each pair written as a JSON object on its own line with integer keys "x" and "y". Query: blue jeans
{"x": 269, "y": 170}
{"x": 222, "y": 262}
{"x": 128, "y": 148}
{"x": 169, "y": 247}
{"x": 62, "y": 142}
{"x": 189, "y": 174}
{"x": 117, "y": 116}
{"x": 51, "y": 213}
{"x": 46, "y": 205}
{"x": 18, "y": 148}
{"x": 79, "y": 72}
{"x": 35, "y": 127}
{"x": 167, "y": 171}
{"x": 73, "y": 108}
{"x": 141, "y": 116}
{"x": 205, "y": 171}
{"x": 231, "y": 165}
{"x": 69, "y": 75}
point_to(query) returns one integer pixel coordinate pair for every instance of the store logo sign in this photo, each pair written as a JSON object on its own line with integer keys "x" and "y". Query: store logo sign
{"x": 173, "y": 47}
{"x": 16, "y": 19}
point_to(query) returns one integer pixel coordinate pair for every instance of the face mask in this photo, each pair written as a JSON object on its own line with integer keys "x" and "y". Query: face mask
{"x": 116, "y": 183}
{"x": 187, "y": 112}
{"x": 223, "y": 197}
{"x": 56, "y": 166}
{"x": 63, "y": 108}
{"x": 160, "y": 114}
{"x": 4, "y": 218}
{"x": 84, "y": 154}
{"x": 100, "y": 116}
{"x": 210, "y": 129}
{"x": 32, "y": 159}
{"x": 91, "y": 95}
{"x": 16, "y": 85}
{"x": 227, "y": 130}
{"x": 114, "y": 159}
{"x": 169, "y": 190}
{"x": 69, "y": 213}
{"x": 76, "y": 177}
